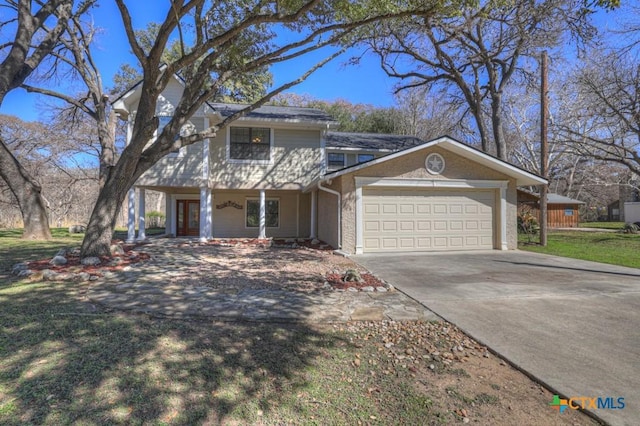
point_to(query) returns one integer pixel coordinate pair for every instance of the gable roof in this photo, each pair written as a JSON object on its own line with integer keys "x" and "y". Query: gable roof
{"x": 370, "y": 141}
{"x": 283, "y": 114}
{"x": 551, "y": 198}
{"x": 561, "y": 199}
{"x": 523, "y": 177}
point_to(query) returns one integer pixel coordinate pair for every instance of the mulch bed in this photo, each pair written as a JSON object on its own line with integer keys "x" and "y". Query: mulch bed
{"x": 266, "y": 243}
{"x": 73, "y": 264}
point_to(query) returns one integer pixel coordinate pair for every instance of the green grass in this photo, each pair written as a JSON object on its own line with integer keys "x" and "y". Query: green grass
{"x": 66, "y": 361}
{"x": 613, "y": 248}
{"x": 14, "y": 249}
{"x": 602, "y": 225}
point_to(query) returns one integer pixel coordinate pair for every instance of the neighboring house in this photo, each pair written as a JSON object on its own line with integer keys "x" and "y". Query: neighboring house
{"x": 562, "y": 212}
{"x": 280, "y": 172}
{"x": 614, "y": 212}
{"x": 628, "y": 207}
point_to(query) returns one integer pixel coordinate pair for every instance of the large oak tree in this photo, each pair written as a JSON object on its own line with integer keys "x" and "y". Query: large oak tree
{"x": 218, "y": 43}
{"x": 35, "y": 27}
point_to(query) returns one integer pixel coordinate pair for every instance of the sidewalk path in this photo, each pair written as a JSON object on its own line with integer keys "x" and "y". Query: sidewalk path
{"x": 156, "y": 287}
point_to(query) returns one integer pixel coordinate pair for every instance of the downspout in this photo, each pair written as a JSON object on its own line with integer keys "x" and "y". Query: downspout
{"x": 339, "y": 197}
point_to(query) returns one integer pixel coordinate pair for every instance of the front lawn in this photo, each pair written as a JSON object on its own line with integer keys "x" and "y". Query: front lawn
{"x": 605, "y": 247}
{"x": 603, "y": 225}
{"x": 65, "y": 360}
{"x": 14, "y": 249}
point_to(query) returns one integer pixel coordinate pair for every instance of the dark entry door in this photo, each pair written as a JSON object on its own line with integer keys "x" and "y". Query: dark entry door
{"x": 188, "y": 217}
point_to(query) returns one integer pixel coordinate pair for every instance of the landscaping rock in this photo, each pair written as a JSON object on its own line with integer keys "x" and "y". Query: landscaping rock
{"x": 116, "y": 261}
{"x": 82, "y": 276}
{"x": 49, "y": 275}
{"x": 381, "y": 289}
{"x": 90, "y": 261}
{"x": 368, "y": 288}
{"x": 62, "y": 252}
{"x": 116, "y": 249}
{"x": 315, "y": 241}
{"x": 25, "y": 273}
{"x": 352, "y": 275}
{"x": 58, "y": 261}
{"x": 19, "y": 267}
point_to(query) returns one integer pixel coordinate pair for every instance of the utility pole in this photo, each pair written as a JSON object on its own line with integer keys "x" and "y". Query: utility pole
{"x": 544, "y": 154}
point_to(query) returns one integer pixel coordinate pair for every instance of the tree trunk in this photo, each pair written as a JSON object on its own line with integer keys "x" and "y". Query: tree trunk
{"x": 28, "y": 193}
{"x": 496, "y": 123}
{"x": 97, "y": 239}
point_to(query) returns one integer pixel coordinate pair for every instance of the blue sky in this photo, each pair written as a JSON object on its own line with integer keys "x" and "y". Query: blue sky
{"x": 363, "y": 83}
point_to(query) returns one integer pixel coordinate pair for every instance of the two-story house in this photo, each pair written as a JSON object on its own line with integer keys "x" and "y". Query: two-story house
{"x": 281, "y": 172}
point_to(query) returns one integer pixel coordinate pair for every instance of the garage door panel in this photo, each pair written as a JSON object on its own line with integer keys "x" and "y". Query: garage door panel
{"x": 455, "y": 208}
{"x": 371, "y": 226}
{"x": 389, "y": 209}
{"x": 388, "y": 225}
{"x": 407, "y": 225}
{"x": 423, "y": 209}
{"x": 423, "y": 225}
{"x": 389, "y": 243}
{"x": 440, "y": 209}
{"x": 371, "y": 208}
{"x": 407, "y": 209}
{"x": 424, "y": 220}
{"x": 440, "y": 225}
{"x": 456, "y": 225}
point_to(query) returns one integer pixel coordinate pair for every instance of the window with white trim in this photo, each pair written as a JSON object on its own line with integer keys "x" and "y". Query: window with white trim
{"x": 335, "y": 159}
{"x": 272, "y": 213}
{"x": 249, "y": 143}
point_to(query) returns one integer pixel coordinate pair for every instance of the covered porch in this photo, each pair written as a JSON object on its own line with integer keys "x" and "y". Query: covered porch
{"x": 222, "y": 213}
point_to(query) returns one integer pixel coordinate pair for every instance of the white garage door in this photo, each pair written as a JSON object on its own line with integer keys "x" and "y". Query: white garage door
{"x": 427, "y": 220}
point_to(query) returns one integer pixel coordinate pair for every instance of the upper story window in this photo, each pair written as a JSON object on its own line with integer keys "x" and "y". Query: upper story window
{"x": 335, "y": 159}
{"x": 365, "y": 157}
{"x": 249, "y": 143}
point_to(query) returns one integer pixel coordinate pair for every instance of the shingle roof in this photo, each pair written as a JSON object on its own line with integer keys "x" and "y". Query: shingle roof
{"x": 561, "y": 199}
{"x": 371, "y": 141}
{"x": 271, "y": 112}
{"x": 553, "y": 198}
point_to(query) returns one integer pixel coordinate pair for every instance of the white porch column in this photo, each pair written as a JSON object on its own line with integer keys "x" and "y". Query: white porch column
{"x": 169, "y": 217}
{"x": 503, "y": 218}
{"x": 131, "y": 219}
{"x": 142, "y": 235}
{"x": 209, "y": 229}
{"x": 359, "y": 225}
{"x": 314, "y": 214}
{"x": 263, "y": 214}
{"x": 205, "y": 214}
{"x": 205, "y": 193}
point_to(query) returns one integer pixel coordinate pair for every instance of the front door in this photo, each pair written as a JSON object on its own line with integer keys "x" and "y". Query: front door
{"x": 188, "y": 217}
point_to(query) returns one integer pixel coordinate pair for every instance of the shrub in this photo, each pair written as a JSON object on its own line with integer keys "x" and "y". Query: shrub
{"x": 154, "y": 219}
{"x": 631, "y": 228}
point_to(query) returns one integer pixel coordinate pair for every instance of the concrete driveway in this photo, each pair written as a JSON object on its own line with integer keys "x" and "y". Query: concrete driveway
{"x": 574, "y": 325}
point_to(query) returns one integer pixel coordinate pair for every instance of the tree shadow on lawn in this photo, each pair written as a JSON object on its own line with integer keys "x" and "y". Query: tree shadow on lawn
{"x": 66, "y": 361}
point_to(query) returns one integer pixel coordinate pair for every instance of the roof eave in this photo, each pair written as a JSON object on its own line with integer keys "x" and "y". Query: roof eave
{"x": 522, "y": 177}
